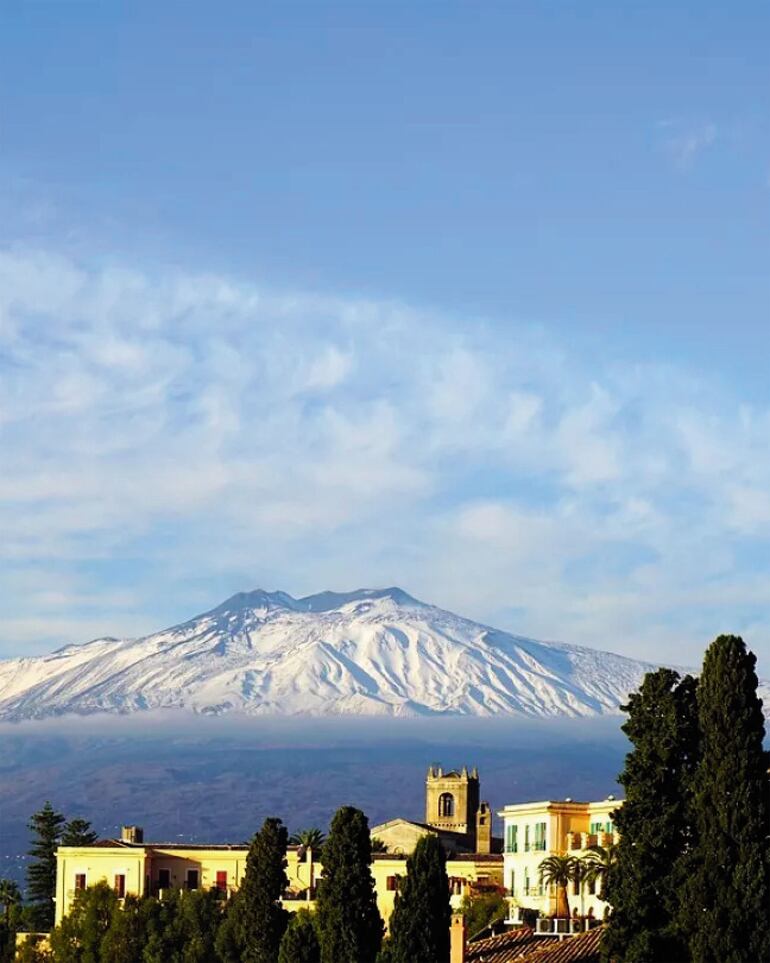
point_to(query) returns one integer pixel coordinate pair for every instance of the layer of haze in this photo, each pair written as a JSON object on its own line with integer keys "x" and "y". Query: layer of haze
{"x": 215, "y": 780}
{"x": 471, "y": 300}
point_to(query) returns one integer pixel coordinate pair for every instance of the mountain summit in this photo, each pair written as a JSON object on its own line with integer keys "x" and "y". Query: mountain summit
{"x": 367, "y": 652}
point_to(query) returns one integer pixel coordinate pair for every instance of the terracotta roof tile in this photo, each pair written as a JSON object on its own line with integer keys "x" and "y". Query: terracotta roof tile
{"x": 583, "y": 948}
{"x": 506, "y": 947}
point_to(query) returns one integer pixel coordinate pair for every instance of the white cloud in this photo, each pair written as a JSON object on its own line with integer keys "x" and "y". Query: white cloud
{"x": 179, "y": 430}
{"x": 684, "y": 142}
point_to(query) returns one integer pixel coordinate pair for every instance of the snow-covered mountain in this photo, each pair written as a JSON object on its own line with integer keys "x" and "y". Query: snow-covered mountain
{"x": 370, "y": 652}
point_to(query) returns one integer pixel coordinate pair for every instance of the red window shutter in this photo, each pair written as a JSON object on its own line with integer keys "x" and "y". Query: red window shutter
{"x": 120, "y": 886}
{"x": 222, "y": 879}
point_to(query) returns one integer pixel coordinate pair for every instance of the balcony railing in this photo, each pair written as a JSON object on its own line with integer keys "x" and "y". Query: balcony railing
{"x": 563, "y": 926}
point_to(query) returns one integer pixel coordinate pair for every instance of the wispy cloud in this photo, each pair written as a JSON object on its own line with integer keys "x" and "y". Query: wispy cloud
{"x": 166, "y": 435}
{"x": 684, "y": 142}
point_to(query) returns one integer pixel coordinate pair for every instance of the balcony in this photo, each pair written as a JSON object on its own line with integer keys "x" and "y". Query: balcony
{"x": 580, "y": 841}
{"x": 548, "y": 926}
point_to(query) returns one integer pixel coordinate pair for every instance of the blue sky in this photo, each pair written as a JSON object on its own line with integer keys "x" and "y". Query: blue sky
{"x": 471, "y": 298}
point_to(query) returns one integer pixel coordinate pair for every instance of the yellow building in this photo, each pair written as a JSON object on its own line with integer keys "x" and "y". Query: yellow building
{"x": 454, "y": 813}
{"x": 132, "y": 866}
{"x": 534, "y": 831}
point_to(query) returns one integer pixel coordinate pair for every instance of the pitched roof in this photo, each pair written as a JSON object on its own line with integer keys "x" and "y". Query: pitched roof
{"x": 513, "y": 945}
{"x": 583, "y": 948}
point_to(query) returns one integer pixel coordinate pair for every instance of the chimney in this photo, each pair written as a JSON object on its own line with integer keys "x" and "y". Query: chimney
{"x": 131, "y": 834}
{"x": 457, "y": 939}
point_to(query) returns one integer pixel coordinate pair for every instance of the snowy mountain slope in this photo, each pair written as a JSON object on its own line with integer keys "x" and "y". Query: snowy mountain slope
{"x": 370, "y": 652}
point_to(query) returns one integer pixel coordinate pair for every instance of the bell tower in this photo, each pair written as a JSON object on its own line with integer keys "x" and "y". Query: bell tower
{"x": 452, "y": 800}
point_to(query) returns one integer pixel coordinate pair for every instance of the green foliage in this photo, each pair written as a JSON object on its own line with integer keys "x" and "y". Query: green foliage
{"x": 312, "y": 838}
{"x": 10, "y": 895}
{"x": 78, "y": 938}
{"x": 194, "y": 929}
{"x": 644, "y": 882}
{"x": 419, "y": 926}
{"x": 349, "y": 925}
{"x": 300, "y": 941}
{"x": 595, "y": 867}
{"x": 179, "y": 929}
{"x": 78, "y": 832}
{"x": 46, "y": 828}
{"x": 482, "y": 911}
{"x": 728, "y": 887}
{"x": 31, "y": 952}
{"x": 379, "y": 845}
{"x": 126, "y": 936}
{"x": 256, "y": 920}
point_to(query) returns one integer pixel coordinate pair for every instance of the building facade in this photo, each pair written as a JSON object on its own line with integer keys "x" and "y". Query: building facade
{"x": 453, "y": 812}
{"x": 534, "y": 831}
{"x": 139, "y": 868}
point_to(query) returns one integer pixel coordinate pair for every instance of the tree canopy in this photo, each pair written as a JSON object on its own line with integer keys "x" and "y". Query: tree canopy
{"x": 349, "y": 924}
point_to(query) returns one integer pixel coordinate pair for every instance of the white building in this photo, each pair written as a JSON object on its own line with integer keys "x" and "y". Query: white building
{"x": 536, "y": 830}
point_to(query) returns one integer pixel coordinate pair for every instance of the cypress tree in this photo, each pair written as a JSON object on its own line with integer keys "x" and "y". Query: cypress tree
{"x": 46, "y": 827}
{"x": 256, "y": 920}
{"x": 644, "y": 882}
{"x": 300, "y": 941}
{"x": 349, "y": 924}
{"x": 728, "y": 891}
{"x": 419, "y": 926}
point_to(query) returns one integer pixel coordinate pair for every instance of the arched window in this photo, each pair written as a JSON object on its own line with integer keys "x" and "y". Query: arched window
{"x": 446, "y": 804}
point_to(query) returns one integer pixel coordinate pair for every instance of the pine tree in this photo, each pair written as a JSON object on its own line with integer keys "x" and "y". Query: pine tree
{"x": 419, "y": 926}
{"x": 256, "y": 920}
{"x": 300, "y": 941}
{"x": 78, "y": 832}
{"x": 349, "y": 925}
{"x": 46, "y": 827}
{"x": 643, "y": 882}
{"x": 728, "y": 891}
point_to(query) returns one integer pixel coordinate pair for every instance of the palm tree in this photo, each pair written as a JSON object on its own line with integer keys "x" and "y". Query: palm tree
{"x": 311, "y": 838}
{"x": 559, "y": 871}
{"x": 10, "y": 895}
{"x": 379, "y": 845}
{"x": 596, "y": 865}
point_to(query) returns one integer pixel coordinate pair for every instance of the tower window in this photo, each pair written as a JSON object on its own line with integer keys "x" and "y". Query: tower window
{"x": 446, "y": 804}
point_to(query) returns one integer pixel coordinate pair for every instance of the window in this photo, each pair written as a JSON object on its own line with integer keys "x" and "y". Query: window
{"x": 222, "y": 881}
{"x": 446, "y": 804}
{"x": 601, "y": 827}
{"x": 526, "y": 838}
{"x": 527, "y": 885}
{"x": 164, "y": 879}
{"x": 120, "y": 886}
{"x": 576, "y": 887}
{"x": 513, "y": 883}
{"x": 511, "y": 839}
{"x": 591, "y": 886}
{"x": 540, "y": 836}
{"x": 80, "y": 880}
{"x": 192, "y": 879}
